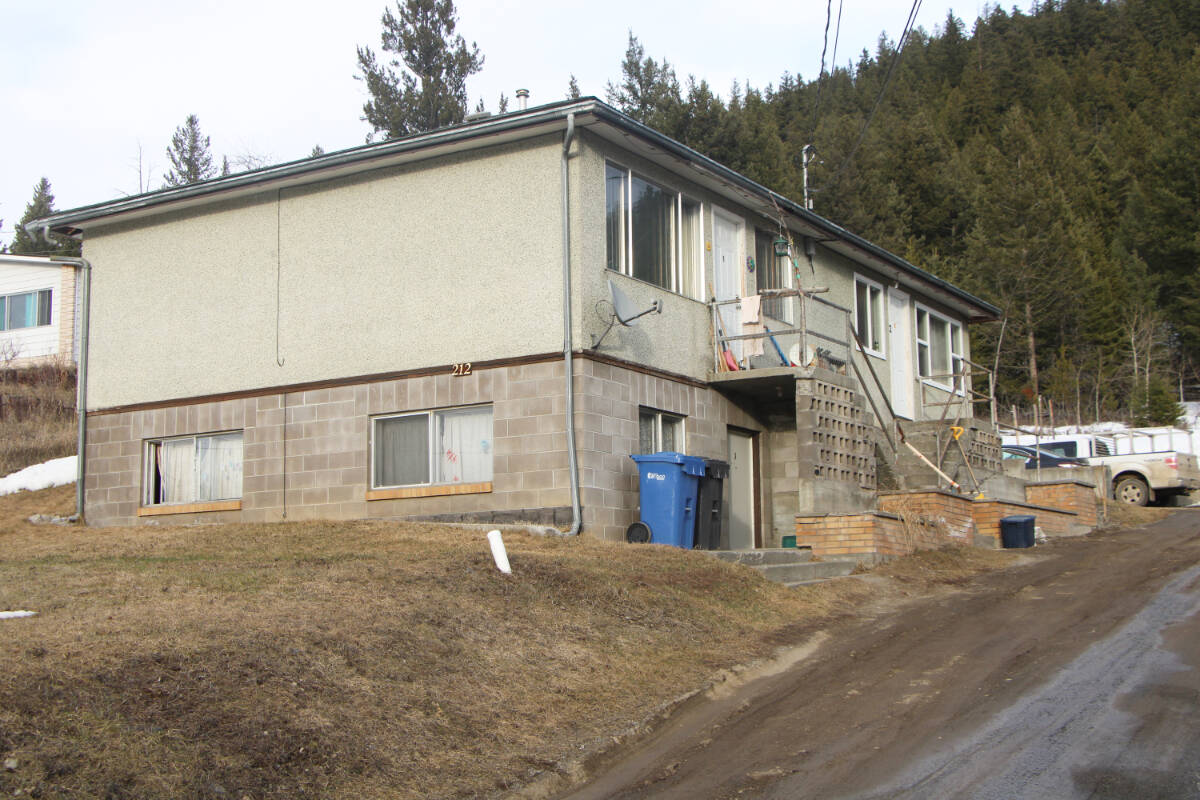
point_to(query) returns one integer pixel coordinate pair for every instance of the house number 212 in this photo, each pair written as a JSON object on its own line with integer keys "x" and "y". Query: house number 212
{"x": 460, "y": 370}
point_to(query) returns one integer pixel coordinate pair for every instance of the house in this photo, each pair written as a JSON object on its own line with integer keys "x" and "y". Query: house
{"x": 386, "y": 331}
{"x": 37, "y": 311}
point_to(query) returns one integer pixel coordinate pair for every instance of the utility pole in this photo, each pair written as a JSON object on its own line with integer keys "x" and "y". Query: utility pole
{"x": 806, "y": 155}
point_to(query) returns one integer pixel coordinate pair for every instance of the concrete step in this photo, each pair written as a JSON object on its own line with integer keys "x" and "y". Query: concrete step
{"x": 810, "y": 572}
{"x": 756, "y": 558}
{"x": 789, "y": 566}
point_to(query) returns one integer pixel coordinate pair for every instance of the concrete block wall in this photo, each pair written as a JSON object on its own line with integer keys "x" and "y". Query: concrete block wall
{"x": 835, "y": 445}
{"x": 306, "y": 453}
{"x": 608, "y": 400}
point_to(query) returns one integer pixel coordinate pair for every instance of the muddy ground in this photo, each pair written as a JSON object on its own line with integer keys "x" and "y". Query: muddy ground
{"x": 1074, "y": 674}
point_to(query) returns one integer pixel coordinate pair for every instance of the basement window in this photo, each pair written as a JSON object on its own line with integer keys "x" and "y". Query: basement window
{"x": 868, "y": 314}
{"x": 441, "y": 447}
{"x": 25, "y": 310}
{"x": 652, "y": 233}
{"x": 939, "y": 349}
{"x": 193, "y": 469}
{"x": 659, "y": 432}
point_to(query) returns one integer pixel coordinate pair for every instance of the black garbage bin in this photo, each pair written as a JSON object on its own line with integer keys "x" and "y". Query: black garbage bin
{"x": 1017, "y": 531}
{"x": 708, "y": 506}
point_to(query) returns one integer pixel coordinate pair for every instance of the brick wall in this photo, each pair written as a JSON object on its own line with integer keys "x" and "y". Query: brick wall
{"x": 910, "y": 521}
{"x": 1070, "y": 495}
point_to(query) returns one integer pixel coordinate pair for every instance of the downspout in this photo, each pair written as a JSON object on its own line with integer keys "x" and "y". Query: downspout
{"x": 85, "y": 270}
{"x": 572, "y": 455}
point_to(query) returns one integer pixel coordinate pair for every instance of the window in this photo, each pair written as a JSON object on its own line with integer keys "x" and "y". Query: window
{"x": 939, "y": 349}
{"x": 659, "y": 432}
{"x": 432, "y": 447}
{"x": 652, "y": 233}
{"x": 26, "y": 310}
{"x": 868, "y": 314}
{"x": 193, "y": 469}
{"x": 773, "y": 273}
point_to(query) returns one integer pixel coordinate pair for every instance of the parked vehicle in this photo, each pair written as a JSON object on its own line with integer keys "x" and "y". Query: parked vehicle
{"x": 1032, "y": 456}
{"x": 1138, "y": 476}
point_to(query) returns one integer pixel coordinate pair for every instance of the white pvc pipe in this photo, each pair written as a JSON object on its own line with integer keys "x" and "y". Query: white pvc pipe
{"x": 498, "y": 552}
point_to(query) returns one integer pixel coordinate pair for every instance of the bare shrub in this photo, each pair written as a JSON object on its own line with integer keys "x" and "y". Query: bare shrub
{"x": 37, "y": 414}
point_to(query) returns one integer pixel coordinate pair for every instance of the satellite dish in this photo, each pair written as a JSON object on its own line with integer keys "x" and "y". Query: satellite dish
{"x": 625, "y": 311}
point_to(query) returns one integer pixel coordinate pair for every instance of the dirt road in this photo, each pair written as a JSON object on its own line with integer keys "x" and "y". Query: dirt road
{"x": 1076, "y": 674}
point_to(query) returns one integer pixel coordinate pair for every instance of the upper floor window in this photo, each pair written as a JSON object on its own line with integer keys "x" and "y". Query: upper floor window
{"x": 939, "y": 349}
{"x": 25, "y": 310}
{"x": 773, "y": 273}
{"x": 868, "y": 314}
{"x": 652, "y": 233}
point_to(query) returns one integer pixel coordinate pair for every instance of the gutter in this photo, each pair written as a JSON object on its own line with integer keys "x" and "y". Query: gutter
{"x": 568, "y": 369}
{"x": 84, "y": 267}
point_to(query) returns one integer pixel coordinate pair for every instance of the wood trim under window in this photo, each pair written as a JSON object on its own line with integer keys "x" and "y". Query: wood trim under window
{"x": 440, "y": 490}
{"x": 190, "y": 508}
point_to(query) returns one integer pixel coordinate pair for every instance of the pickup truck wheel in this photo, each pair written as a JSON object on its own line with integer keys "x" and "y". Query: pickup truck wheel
{"x": 1133, "y": 490}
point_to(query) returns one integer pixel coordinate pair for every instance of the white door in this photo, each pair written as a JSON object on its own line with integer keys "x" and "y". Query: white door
{"x": 727, "y": 274}
{"x": 900, "y": 353}
{"x": 741, "y": 491}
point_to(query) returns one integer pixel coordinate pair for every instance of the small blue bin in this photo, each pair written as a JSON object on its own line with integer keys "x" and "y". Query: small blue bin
{"x": 669, "y": 484}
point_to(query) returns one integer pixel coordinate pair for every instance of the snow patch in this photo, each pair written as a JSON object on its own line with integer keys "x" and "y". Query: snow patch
{"x": 55, "y": 472}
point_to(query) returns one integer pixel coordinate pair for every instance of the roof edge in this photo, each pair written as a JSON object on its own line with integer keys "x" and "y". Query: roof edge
{"x": 65, "y": 221}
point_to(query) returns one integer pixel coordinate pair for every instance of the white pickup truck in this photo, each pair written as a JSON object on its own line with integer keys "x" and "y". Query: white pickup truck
{"x": 1145, "y": 466}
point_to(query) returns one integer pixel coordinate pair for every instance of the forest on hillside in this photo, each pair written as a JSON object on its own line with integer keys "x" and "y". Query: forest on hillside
{"x": 1048, "y": 161}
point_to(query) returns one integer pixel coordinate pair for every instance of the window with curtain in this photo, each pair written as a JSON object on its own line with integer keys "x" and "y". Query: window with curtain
{"x": 652, "y": 233}
{"x": 868, "y": 314}
{"x": 432, "y": 447}
{"x": 25, "y": 310}
{"x": 772, "y": 272}
{"x": 193, "y": 469}
{"x": 939, "y": 349}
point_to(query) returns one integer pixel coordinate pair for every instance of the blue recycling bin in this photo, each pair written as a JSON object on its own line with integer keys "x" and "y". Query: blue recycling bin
{"x": 669, "y": 484}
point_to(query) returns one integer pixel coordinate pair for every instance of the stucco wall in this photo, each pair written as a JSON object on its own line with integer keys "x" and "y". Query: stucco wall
{"x": 447, "y": 261}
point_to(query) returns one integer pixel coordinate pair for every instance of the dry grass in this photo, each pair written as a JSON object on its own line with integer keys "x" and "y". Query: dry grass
{"x": 37, "y": 415}
{"x": 363, "y": 659}
{"x": 945, "y": 566}
{"x": 1124, "y": 515}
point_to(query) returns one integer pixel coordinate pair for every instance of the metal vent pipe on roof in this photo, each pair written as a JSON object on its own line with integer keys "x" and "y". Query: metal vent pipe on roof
{"x": 522, "y": 99}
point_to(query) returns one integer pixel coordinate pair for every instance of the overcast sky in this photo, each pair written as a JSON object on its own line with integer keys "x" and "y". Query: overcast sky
{"x": 85, "y": 84}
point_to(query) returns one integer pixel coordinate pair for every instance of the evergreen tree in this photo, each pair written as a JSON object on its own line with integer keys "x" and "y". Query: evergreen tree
{"x": 191, "y": 159}
{"x": 573, "y": 89}
{"x": 425, "y": 86}
{"x": 649, "y": 91}
{"x": 42, "y": 205}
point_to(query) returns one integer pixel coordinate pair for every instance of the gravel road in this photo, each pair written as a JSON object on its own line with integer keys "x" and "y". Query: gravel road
{"x": 1075, "y": 675}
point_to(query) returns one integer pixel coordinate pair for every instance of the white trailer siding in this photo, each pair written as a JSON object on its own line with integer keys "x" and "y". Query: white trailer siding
{"x": 24, "y": 345}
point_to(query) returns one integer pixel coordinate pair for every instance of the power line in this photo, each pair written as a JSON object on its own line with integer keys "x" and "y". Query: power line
{"x": 837, "y": 32}
{"x": 912, "y": 17}
{"x": 812, "y": 126}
